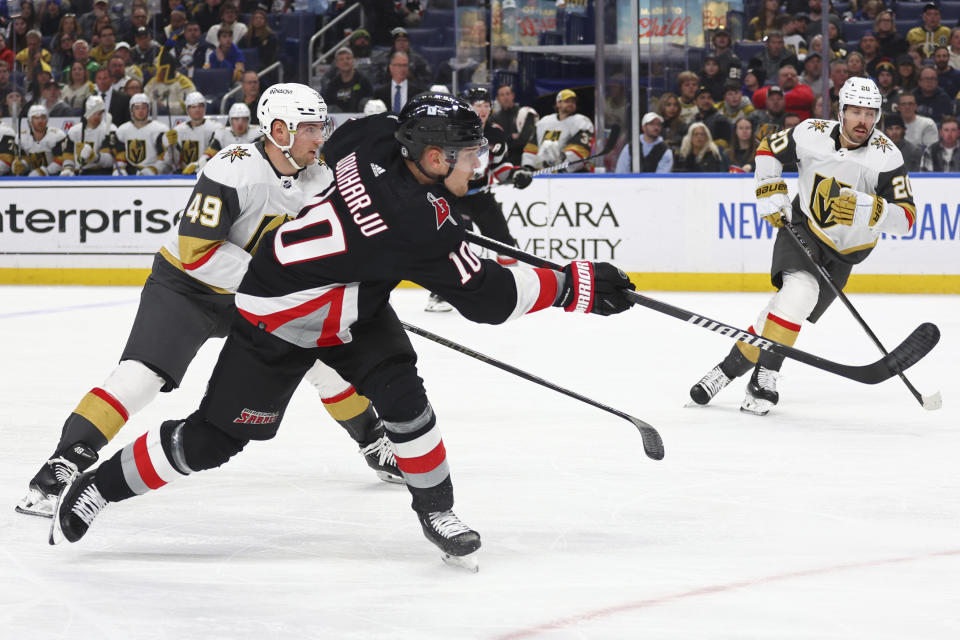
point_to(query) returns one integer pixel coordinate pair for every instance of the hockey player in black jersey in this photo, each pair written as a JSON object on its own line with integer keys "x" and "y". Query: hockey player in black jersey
{"x": 243, "y": 192}
{"x": 480, "y": 207}
{"x": 319, "y": 288}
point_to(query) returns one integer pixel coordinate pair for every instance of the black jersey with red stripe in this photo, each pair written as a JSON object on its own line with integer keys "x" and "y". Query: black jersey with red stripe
{"x": 338, "y": 261}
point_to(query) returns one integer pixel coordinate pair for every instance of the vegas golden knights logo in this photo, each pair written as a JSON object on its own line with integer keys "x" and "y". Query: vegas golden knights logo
{"x": 189, "y": 151}
{"x": 136, "y": 151}
{"x": 824, "y": 191}
{"x": 37, "y": 159}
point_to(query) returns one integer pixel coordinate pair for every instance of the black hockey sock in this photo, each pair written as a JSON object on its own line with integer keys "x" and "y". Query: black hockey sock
{"x": 735, "y": 364}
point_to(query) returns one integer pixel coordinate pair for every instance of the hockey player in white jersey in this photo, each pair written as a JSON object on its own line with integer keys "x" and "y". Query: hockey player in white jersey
{"x": 242, "y": 193}
{"x": 853, "y": 186}
{"x": 142, "y": 144}
{"x": 238, "y": 130}
{"x": 90, "y": 146}
{"x": 41, "y": 148}
{"x": 194, "y": 136}
{"x": 562, "y": 136}
{"x": 8, "y": 149}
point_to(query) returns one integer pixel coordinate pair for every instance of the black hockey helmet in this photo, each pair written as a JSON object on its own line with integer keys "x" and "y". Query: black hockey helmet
{"x": 438, "y": 120}
{"x": 477, "y": 94}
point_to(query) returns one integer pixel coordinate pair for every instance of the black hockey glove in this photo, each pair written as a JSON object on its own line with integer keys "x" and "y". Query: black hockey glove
{"x": 594, "y": 287}
{"x": 522, "y": 178}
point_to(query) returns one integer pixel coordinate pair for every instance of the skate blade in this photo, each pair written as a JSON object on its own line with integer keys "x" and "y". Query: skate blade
{"x": 36, "y": 504}
{"x": 386, "y": 476}
{"x": 470, "y": 562}
{"x": 756, "y": 410}
{"x": 56, "y": 532}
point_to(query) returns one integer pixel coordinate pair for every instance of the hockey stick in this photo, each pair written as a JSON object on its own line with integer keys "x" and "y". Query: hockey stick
{"x": 931, "y": 402}
{"x": 652, "y": 443}
{"x": 917, "y": 345}
{"x": 611, "y": 142}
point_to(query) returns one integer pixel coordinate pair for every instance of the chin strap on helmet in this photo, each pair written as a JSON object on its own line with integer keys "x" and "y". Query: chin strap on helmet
{"x": 285, "y": 149}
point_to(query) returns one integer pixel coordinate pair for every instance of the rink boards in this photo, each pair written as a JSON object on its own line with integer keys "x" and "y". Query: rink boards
{"x": 670, "y": 232}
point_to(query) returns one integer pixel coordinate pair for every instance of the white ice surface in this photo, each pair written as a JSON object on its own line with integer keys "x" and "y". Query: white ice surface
{"x": 837, "y": 516}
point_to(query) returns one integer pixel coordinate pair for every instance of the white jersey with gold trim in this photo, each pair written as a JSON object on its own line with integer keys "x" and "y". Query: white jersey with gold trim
{"x": 825, "y": 167}
{"x": 101, "y": 138}
{"x": 238, "y": 198}
{"x": 8, "y": 141}
{"x": 193, "y": 141}
{"x": 224, "y": 137}
{"x": 143, "y": 149}
{"x": 44, "y": 156}
{"x": 559, "y": 140}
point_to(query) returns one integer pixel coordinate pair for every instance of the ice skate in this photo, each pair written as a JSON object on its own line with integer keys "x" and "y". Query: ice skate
{"x": 458, "y": 542}
{"x": 761, "y": 392}
{"x": 380, "y": 457}
{"x": 78, "y": 506}
{"x": 56, "y": 473}
{"x": 709, "y": 385}
{"x": 437, "y": 304}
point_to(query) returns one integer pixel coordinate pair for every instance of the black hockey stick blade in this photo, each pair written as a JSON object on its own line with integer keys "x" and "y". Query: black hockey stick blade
{"x": 652, "y": 442}
{"x": 916, "y": 346}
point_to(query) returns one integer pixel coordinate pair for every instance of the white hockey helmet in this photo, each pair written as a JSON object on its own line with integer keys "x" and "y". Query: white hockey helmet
{"x": 194, "y": 97}
{"x": 36, "y": 111}
{"x": 373, "y": 107}
{"x": 139, "y": 98}
{"x": 92, "y": 105}
{"x": 239, "y": 110}
{"x": 291, "y": 103}
{"x": 859, "y": 92}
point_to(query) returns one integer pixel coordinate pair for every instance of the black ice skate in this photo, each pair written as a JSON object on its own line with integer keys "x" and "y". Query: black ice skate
{"x": 380, "y": 457}
{"x": 761, "y": 392}
{"x": 54, "y": 475}
{"x": 709, "y": 385}
{"x": 437, "y": 304}
{"x": 78, "y": 506}
{"x": 458, "y": 542}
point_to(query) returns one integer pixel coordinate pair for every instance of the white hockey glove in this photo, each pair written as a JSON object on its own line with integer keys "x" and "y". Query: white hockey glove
{"x": 773, "y": 203}
{"x": 67, "y": 172}
{"x": 146, "y": 171}
{"x": 37, "y": 172}
{"x": 550, "y": 153}
{"x": 120, "y": 171}
{"x": 86, "y": 154}
{"x": 855, "y": 208}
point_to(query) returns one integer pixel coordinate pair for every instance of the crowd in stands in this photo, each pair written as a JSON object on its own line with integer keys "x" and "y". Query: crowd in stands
{"x": 55, "y": 55}
{"x": 718, "y": 113}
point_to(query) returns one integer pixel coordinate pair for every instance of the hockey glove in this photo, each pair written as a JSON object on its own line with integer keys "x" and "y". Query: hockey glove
{"x": 773, "y": 204}
{"x": 120, "y": 171}
{"x": 147, "y": 171}
{"x": 855, "y": 208}
{"x": 67, "y": 172}
{"x": 19, "y": 167}
{"x": 38, "y": 172}
{"x": 594, "y": 287}
{"x": 190, "y": 169}
{"x": 86, "y": 154}
{"x": 522, "y": 178}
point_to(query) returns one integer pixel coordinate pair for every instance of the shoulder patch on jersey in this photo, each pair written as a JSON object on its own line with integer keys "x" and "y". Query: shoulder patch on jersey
{"x": 819, "y": 125}
{"x": 236, "y": 153}
{"x": 881, "y": 143}
{"x": 442, "y": 209}
{"x": 377, "y": 169}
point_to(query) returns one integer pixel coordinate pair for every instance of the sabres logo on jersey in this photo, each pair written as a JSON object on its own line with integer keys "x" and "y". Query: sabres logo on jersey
{"x": 881, "y": 143}
{"x": 819, "y": 125}
{"x": 442, "y": 209}
{"x": 824, "y": 191}
{"x": 237, "y": 153}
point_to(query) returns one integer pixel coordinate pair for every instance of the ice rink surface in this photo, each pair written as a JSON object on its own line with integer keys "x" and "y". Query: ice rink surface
{"x": 836, "y": 516}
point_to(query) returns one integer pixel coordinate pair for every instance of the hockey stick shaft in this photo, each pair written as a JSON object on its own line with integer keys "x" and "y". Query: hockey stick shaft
{"x": 917, "y": 345}
{"x": 611, "y": 142}
{"x": 932, "y": 402}
{"x": 652, "y": 443}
